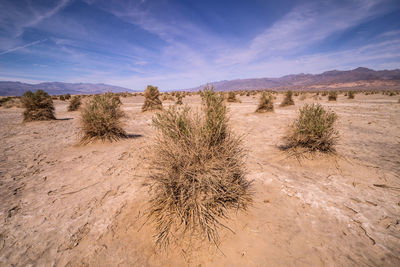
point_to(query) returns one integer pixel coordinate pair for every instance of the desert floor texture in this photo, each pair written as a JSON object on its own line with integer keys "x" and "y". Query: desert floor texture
{"x": 63, "y": 204}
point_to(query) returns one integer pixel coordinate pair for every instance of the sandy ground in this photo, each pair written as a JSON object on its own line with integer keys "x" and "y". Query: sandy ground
{"x": 67, "y": 205}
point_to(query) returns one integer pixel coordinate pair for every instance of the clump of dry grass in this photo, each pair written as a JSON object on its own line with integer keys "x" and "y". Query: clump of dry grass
{"x": 303, "y": 96}
{"x": 74, "y": 103}
{"x": 332, "y": 96}
{"x": 232, "y": 97}
{"x": 38, "y": 106}
{"x": 313, "y": 130}
{"x": 288, "y": 100}
{"x": 197, "y": 172}
{"x": 266, "y": 103}
{"x": 179, "y": 98}
{"x": 317, "y": 97}
{"x": 6, "y": 102}
{"x": 164, "y": 97}
{"x": 152, "y": 100}
{"x": 350, "y": 95}
{"x": 101, "y": 119}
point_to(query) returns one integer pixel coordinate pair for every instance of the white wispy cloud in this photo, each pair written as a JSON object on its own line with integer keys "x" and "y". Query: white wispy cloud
{"x": 39, "y": 15}
{"x": 301, "y": 28}
{"x": 21, "y": 47}
{"x": 16, "y": 16}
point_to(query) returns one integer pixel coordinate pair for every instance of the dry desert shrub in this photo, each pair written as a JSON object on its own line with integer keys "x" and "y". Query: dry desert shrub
{"x": 101, "y": 119}
{"x": 332, "y": 96}
{"x": 266, "y": 103}
{"x": 232, "y": 97}
{"x": 67, "y": 96}
{"x": 6, "y": 102}
{"x": 317, "y": 97}
{"x": 179, "y": 98}
{"x": 152, "y": 100}
{"x": 313, "y": 130}
{"x": 197, "y": 174}
{"x": 167, "y": 96}
{"x": 38, "y": 106}
{"x": 74, "y": 103}
{"x": 303, "y": 96}
{"x": 288, "y": 100}
{"x": 350, "y": 95}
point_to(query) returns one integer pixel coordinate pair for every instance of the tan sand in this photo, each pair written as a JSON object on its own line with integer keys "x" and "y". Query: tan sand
{"x": 68, "y": 205}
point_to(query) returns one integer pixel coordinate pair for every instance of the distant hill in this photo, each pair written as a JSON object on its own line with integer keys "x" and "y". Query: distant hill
{"x": 302, "y": 81}
{"x": 58, "y": 88}
{"x": 363, "y": 77}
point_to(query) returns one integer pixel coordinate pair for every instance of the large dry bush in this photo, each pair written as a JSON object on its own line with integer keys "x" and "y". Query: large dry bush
{"x": 313, "y": 130}
{"x": 74, "y": 103}
{"x": 198, "y": 172}
{"x": 152, "y": 99}
{"x": 101, "y": 119}
{"x": 288, "y": 100}
{"x": 266, "y": 103}
{"x": 38, "y": 106}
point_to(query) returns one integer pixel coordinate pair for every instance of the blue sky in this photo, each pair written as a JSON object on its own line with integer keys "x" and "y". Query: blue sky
{"x": 183, "y": 44}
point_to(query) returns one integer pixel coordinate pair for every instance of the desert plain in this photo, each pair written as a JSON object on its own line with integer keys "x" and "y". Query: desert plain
{"x": 65, "y": 204}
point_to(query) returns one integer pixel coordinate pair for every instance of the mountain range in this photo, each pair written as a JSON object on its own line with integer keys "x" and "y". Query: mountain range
{"x": 58, "y": 88}
{"x": 294, "y": 82}
{"x": 302, "y": 81}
